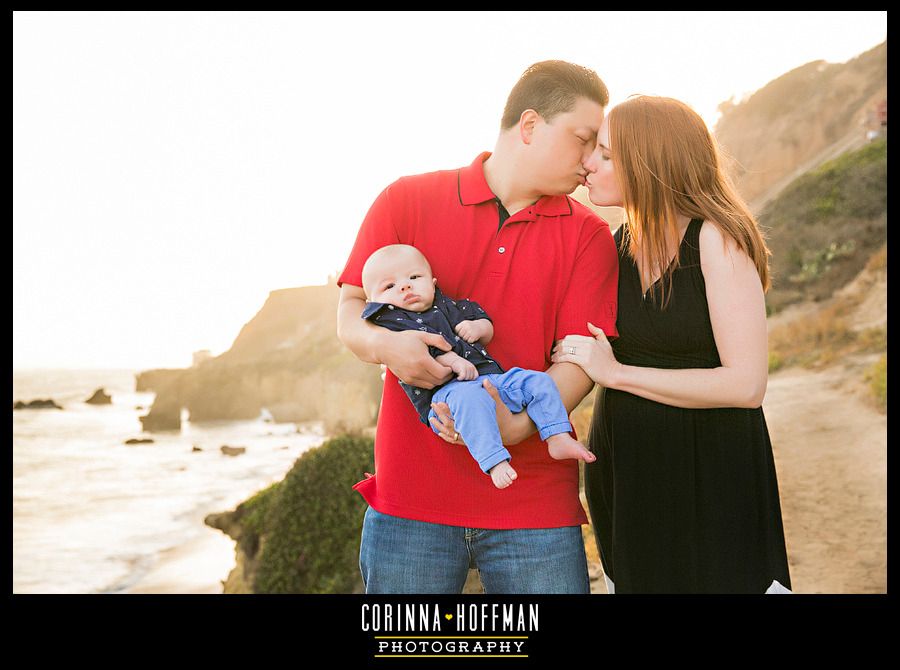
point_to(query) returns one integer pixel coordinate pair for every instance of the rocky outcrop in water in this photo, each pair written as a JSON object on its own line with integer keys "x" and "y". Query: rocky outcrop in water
{"x": 37, "y": 404}
{"x": 100, "y": 397}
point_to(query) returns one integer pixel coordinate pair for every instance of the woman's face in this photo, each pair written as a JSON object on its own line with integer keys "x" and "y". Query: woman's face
{"x": 603, "y": 187}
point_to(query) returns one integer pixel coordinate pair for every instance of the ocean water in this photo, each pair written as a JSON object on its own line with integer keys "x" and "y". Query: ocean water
{"x": 92, "y": 514}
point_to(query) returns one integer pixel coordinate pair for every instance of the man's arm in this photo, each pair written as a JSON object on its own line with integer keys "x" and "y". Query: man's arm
{"x": 405, "y": 353}
{"x": 573, "y": 384}
{"x": 359, "y": 335}
{"x": 570, "y": 379}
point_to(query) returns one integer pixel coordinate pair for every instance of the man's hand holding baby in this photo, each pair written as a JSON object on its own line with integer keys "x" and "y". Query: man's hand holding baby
{"x": 473, "y": 331}
{"x": 406, "y": 354}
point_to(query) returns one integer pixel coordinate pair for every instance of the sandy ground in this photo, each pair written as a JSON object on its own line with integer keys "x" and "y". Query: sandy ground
{"x": 198, "y": 566}
{"x": 830, "y": 449}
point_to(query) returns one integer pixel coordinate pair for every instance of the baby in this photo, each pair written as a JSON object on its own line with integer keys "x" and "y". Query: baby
{"x": 402, "y": 294}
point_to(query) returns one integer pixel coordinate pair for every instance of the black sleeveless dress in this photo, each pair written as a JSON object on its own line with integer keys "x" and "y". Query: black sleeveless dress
{"x": 681, "y": 500}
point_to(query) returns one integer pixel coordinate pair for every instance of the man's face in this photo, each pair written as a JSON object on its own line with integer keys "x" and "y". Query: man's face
{"x": 403, "y": 280}
{"x": 603, "y": 186}
{"x": 561, "y": 147}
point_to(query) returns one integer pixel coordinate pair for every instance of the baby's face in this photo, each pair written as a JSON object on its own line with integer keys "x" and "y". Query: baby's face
{"x": 404, "y": 281}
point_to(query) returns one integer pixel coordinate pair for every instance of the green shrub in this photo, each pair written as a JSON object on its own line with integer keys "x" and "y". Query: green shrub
{"x": 825, "y": 225}
{"x": 820, "y": 260}
{"x": 252, "y": 515}
{"x": 310, "y": 522}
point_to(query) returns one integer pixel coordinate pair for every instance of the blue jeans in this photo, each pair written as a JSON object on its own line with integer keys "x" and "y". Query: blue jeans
{"x": 475, "y": 416}
{"x": 399, "y": 555}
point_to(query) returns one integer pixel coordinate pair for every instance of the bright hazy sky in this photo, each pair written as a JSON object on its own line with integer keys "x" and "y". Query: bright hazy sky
{"x": 171, "y": 169}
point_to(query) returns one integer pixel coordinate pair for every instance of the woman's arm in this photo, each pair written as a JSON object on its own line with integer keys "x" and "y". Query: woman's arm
{"x": 738, "y": 316}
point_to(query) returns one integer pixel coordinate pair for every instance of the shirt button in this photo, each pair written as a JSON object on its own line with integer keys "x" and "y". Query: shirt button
{"x": 501, "y": 249}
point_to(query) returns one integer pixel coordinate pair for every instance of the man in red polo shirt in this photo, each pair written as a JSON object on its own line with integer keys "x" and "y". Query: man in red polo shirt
{"x": 503, "y": 233}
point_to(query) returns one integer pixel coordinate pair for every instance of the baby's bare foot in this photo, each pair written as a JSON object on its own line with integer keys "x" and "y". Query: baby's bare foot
{"x": 503, "y": 474}
{"x": 562, "y": 445}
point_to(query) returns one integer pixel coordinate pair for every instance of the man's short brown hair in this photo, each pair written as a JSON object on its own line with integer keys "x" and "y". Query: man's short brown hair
{"x": 551, "y": 87}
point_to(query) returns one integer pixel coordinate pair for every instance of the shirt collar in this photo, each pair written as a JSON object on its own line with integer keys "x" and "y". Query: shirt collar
{"x": 473, "y": 190}
{"x": 473, "y": 187}
{"x": 373, "y": 308}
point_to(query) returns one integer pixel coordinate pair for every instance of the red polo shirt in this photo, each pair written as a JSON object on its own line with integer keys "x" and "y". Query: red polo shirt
{"x": 550, "y": 269}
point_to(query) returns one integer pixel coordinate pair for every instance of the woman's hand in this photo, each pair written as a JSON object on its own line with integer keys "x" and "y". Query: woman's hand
{"x": 513, "y": 427}
{"x": 593, "y": 354}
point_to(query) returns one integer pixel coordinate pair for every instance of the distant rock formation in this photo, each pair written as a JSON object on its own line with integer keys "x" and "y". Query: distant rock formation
{"x": 139, "y": 440}
{"x": 37, "y": 404}
{"x": 286, "y": 359}
{"x": 100, "y": 397}
{"x": 152, "y": 380}
{"x": 165, "y": 413}
{"x": 162, "y": 417}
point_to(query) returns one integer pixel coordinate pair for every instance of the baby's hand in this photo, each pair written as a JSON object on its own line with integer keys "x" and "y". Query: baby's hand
{"x": 464, "y": 370}
{"x": 469, "y": 331}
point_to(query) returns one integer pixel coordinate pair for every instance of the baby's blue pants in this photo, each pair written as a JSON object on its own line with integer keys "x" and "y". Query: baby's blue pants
{"x": 475, "y": 417}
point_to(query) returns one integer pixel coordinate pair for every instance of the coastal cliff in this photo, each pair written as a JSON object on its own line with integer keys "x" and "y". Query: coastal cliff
{"x": 807, "y": 115}
{"x": 286, "y": 359}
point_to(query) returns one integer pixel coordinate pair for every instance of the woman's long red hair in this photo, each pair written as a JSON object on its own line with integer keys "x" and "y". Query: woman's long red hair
{"x": 667, "y": 163}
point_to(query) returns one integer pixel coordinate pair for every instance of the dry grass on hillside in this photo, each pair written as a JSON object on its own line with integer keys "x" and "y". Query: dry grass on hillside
{"x": 831, "y": 333}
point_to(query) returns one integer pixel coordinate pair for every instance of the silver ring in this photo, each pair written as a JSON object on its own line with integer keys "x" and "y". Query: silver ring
{"x": 571, "y": 350}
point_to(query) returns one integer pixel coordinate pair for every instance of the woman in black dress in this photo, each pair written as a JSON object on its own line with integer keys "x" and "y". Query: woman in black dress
{"x": 683, "y": 495}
